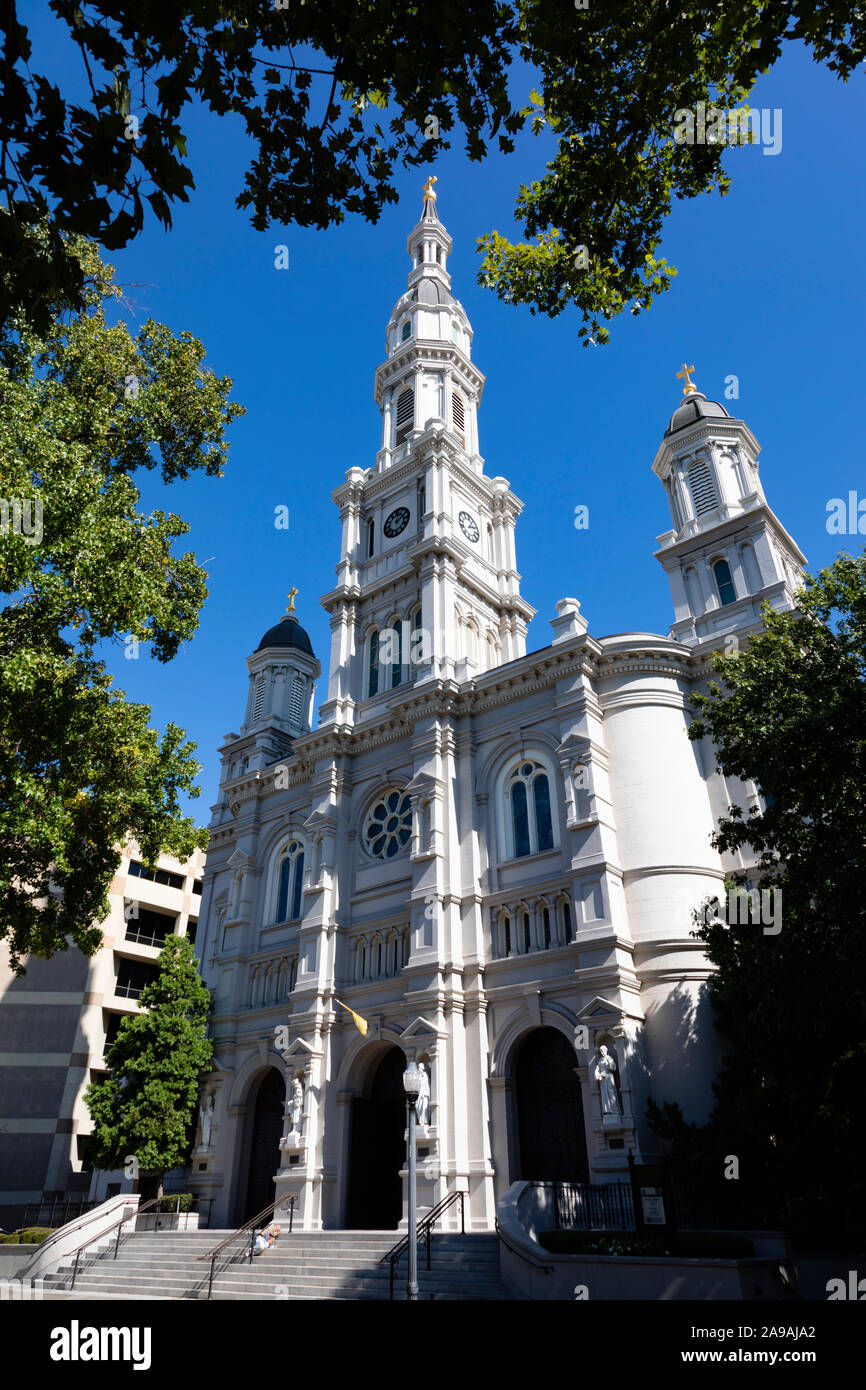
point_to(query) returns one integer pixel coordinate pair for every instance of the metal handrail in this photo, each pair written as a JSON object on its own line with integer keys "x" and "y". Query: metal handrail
{"x": 57, "y": 1234}
{"x": 118, "y": 1226}
{"x": 248, "y": 1227}
{"x": 530, "y": 1258}
{"x": 424, "y": 1231}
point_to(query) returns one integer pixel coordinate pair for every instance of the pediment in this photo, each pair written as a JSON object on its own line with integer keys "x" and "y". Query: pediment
{"x": 419, "y": 1028}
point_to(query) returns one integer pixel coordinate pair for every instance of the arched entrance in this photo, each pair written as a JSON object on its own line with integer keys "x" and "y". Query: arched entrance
{"x": 377, "y": 1149}
{"x": 550, "y": 1129}
{"x": 267, "y": 1129}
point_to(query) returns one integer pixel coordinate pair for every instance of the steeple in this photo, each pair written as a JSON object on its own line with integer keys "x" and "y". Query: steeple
{"x": 728, "y": 553}
{"x": 427, "y": 581}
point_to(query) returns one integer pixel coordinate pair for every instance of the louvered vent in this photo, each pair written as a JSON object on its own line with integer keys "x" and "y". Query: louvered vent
{"x": 296, "y": 700}
{"x": 703, "y": 488}
{"x": 405, "y": 413}
{"x": 259, "y": 702}
{"x": 457, "y": 413}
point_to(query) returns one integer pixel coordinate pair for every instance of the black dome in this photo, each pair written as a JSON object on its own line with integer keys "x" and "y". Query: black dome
{"x": 694, "y": 407}
{"x": 286, "y": 633}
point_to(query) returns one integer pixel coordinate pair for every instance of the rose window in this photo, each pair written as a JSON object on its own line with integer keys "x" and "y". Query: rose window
{"x": 389, "y": 825}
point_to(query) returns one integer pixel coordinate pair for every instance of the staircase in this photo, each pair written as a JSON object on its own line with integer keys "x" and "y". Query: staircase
{"x": 305, "y": 1264}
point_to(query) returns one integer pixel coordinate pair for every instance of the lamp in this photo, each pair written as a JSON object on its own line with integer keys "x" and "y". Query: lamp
{"x": 412, "y": 1081}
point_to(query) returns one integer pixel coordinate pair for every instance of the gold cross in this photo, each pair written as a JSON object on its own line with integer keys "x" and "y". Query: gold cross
{"x": 689, "y": 386}
{"x": 428, "y": 189}
{"x": 291, "y": 596}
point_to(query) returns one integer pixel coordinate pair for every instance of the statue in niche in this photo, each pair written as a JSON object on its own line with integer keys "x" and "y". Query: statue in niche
{"x": 604, "y": 1072}
{"x": 296, "y": 1107}
{"x": 422, "y": 1108}
{"x": 206, "y": 1119}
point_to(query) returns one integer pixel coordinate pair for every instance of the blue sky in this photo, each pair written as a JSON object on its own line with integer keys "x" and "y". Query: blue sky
{"x": 769, "y": 289}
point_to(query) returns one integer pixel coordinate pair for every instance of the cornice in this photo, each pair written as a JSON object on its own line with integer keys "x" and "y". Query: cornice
{"x": 421, "y": 352}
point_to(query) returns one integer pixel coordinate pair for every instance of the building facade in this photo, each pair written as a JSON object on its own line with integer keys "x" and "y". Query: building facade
{"x": 58, "y": 1021}
{"x": 490, "y": 856}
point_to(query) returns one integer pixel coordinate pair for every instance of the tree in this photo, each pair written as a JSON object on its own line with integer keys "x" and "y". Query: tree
{"x": 145, "y": 1108}
{"x": 335, "y": 95}
{"x": 83, "y": 407}
{"x": 789, "y": 712}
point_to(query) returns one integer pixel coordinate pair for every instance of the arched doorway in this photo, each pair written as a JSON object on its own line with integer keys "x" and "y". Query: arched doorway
{"x": 377, "y": 1149}
{"x": 550, "y": 1127}
{"x": 267, "y": 1129}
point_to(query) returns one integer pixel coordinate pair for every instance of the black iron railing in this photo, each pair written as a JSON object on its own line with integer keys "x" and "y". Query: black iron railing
{"x": 249, "y": 1229}
{"x": 425, "y": 1231}
{"x": 56, "y": 1211}
{"x": 584, "y": 1206}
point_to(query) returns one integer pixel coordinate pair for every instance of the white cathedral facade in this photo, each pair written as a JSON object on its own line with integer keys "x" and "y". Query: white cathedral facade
{"x": 490, "y": 856}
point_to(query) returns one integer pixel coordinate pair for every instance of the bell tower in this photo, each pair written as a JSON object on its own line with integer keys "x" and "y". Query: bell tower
{"x": 727, "y": 553}
{"x": 427, "y": 582}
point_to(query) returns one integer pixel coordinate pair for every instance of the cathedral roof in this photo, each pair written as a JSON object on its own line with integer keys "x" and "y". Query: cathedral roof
{"x": 286, "y": 633}
{"x": 695, "y": 407}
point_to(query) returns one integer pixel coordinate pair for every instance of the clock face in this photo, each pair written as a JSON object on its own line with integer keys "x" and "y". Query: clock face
{"x": 469, "y": 526}
{"x": 396, "y": 522}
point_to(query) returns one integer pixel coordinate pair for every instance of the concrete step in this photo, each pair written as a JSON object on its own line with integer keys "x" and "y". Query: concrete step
{"x": 304, "y": 1264}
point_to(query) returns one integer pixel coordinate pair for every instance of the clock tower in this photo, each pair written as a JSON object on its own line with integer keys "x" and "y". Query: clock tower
{"x": 427, "y": 582}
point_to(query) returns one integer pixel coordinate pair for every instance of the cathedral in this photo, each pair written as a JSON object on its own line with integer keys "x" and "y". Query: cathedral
{"x": 482, "y": 860}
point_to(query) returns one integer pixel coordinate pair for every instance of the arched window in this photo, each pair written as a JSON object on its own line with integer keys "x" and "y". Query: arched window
{"x": 724, "y": 582}
{"x": 472, "y": 640}
{"x": 296, "y": 700}
{"x": 373, "y": 665}
{"x": 362, "y": 960}
{"x": 702, "y": 487}
{"x": 259, "y": 698}
{"x": 528, "y": 794}
{"x": 505, "y": 922}
{"x": 416, "y": 654}
{"x": 565, "y": 909}
{"x": 371, "y": 537}
{"x": 405, "y": 414}
{"x": 291, "y": 883}
{"x": 545, "y": 923}
{"x": 525, "y": 932}
{"x": 404, "y": 948}
{"x": 406, "y": 330}
{"x": 396, "y": 651}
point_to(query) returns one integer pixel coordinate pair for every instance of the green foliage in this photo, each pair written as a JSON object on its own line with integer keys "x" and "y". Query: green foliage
{"x": 789, "y": 712}
{"x": 690, "y": 1245}
{"x": 611, "y": 79}
{"x": 146, "y": 1106}
{"x": 83, "y": 407}
{"x": 28, "y": 1235}
{"x": 310, "y": 82}
{"x": 334, "y": 97}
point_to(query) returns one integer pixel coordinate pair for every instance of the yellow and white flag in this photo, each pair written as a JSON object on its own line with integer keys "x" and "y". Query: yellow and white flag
{"x": 360, "y": 1023}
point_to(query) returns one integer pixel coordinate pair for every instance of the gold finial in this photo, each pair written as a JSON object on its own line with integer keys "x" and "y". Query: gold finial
{"x": 429, "y": 195}
{"x": 689, "y": 386}
{"x": 291, "y": 596}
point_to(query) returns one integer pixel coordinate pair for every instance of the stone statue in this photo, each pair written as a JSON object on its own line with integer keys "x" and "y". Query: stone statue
{"x": 422, "y": 1107}
{"x": 296, "y": 1107}
{"x": 206, "y": 1118}
{"x": 604, "y": 1073}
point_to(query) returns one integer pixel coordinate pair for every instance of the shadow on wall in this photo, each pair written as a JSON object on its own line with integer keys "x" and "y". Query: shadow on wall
{"x": 676, "y": 1058}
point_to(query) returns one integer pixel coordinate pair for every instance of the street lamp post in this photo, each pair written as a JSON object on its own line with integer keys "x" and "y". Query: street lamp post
{"x": 412, "y": 1087}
